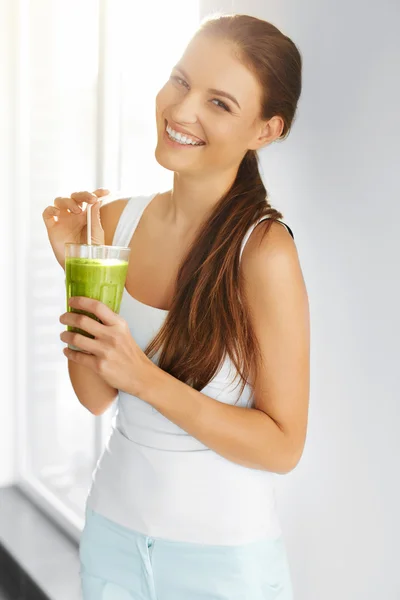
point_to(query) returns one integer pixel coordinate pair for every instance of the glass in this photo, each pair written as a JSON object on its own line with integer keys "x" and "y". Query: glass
{"x": 98, "y": 272}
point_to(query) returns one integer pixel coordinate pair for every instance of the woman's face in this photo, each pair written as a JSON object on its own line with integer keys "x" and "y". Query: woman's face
{"x": 214, "y": 100}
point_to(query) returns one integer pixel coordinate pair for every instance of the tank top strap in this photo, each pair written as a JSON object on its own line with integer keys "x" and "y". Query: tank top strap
{"x": 129, "y": 219}
{"x": 134, "y": 209}
{"x": 254, "y": 225}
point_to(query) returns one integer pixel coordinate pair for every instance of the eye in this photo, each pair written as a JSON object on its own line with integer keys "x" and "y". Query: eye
{"x": 221, "y": 104}
{"x": 179, "y": 80}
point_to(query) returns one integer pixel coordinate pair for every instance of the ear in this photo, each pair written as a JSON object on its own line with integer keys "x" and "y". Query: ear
{"x": 268, "y": 132}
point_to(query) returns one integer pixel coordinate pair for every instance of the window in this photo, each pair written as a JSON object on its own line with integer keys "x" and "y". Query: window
{"x": 88, "y": 75}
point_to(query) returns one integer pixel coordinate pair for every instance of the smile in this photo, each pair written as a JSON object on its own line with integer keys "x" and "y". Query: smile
{"x": 182, "y": 139}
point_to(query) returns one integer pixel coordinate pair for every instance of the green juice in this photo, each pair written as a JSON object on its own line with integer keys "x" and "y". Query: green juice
{"x": 99, "y": 278}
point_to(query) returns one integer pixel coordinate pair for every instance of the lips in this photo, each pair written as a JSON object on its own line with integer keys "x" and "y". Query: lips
{"x": 183, "y": 131}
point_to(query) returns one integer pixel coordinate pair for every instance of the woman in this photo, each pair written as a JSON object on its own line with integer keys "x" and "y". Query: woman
{"x": 182, "y": 503}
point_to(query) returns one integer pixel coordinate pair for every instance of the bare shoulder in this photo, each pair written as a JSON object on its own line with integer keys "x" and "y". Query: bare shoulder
{"x": 271, "y": 269}
{"x": 110, "y": 214}
{"x": 269, "y": 242}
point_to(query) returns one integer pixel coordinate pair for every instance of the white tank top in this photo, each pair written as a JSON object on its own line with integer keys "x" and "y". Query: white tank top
{"x": 158, "y": 480}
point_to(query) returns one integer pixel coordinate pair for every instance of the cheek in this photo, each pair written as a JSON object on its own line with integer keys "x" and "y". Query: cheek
{"x": 166, "y": 97}
{"x": 229, "y": 133}
{"x": 160, "y": 102}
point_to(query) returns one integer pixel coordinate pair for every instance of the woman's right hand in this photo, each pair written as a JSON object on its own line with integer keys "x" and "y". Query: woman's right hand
{"x": 70, "y": 226}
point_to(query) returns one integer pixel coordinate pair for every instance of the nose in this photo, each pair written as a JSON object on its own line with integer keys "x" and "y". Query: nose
{"x": 185, "y": 111}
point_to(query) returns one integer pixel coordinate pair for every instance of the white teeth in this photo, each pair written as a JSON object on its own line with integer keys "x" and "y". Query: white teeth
{"x": 181, "y": 138}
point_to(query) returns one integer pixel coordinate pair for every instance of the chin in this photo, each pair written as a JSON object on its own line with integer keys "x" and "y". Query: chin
{"x": 169, "y": 160}
{"x": 162, "y": 158}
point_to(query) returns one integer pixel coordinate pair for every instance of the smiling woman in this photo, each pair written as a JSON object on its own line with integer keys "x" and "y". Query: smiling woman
{"x": 182, "y": 501}
{"x": 181, "y": 419}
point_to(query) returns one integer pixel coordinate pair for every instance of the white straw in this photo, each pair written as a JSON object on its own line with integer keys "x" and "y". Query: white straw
{"x": 89, "y": 224}
{"x": 110, "y": 197}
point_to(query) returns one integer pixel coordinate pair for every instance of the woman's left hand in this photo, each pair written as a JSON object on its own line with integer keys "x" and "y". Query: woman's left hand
{"x": 114, "y": 354}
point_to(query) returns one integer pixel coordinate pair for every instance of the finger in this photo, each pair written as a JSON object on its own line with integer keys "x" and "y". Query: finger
{"x": 97, "y": 308}
{"x": 48, "y": 216}
{"x": 67, "y": 204}
{"x": 101, "y": 192}
{"x": 81, "y": 341}
{"x": 83, "y": 322}
{"x": 86, "y": 360}
{"x": 84, "y": 197}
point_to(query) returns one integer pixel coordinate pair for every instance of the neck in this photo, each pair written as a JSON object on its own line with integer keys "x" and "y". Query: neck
{"x": 192, "y": 199}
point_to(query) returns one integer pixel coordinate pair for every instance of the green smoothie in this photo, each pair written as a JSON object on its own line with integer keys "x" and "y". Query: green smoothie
{"x": 99, "y": 278}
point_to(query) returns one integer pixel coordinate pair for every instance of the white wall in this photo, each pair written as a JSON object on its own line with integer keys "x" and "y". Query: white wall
{"x": 336, "y": 181}
{"x": 7, "y": 22}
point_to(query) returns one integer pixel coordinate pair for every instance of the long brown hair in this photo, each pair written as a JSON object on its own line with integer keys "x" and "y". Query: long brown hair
{"x": 208, "y": 318}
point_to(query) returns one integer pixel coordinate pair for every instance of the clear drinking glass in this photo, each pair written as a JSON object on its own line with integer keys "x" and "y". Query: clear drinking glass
{"x": 95, "y": 271}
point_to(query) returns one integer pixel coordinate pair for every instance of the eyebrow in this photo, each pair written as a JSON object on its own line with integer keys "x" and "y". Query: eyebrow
{"x": 212, "y": 90}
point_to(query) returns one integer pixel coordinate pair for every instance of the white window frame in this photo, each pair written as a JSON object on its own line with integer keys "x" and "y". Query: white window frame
{"x": 107, "y": 170}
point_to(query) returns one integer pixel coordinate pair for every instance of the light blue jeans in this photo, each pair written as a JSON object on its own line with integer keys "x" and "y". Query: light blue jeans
{"x": 120, "y": 564}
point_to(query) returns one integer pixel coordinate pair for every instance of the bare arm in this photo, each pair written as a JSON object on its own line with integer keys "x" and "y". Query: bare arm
{"x": 91, "y": 390}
